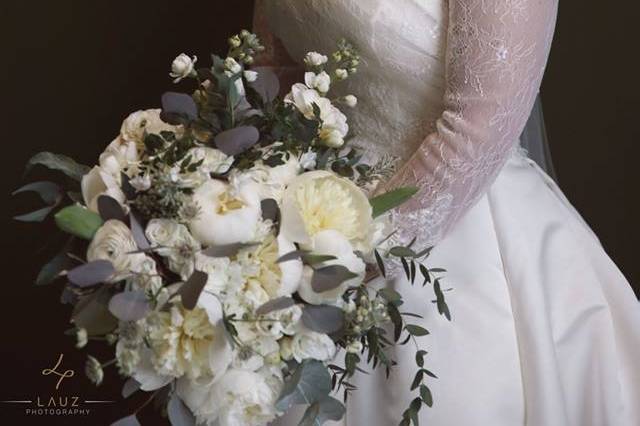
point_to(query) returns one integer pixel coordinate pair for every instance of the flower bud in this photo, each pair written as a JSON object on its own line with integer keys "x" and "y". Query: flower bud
{"x": 182, "y": 67}
{"x": 315, "y": 59}
{"x": 82, "y": 338}
{"x": 341, "y": 74}
{"x": 93, "y": 370}
{"x": 235, "y": 41}
{"x": 351, "y": 101}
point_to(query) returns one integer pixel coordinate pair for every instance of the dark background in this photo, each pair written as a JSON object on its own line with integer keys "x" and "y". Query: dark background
{"x": 72, "y": 70}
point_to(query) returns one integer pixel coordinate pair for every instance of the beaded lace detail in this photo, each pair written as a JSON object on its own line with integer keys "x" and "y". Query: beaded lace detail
{"x": 463, "y": 73}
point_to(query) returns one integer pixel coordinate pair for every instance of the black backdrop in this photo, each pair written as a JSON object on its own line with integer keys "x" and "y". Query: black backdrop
{"x": 72, "y": 70}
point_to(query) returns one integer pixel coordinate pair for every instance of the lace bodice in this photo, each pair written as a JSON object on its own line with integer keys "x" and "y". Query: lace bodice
{"x": 445, "y": 86}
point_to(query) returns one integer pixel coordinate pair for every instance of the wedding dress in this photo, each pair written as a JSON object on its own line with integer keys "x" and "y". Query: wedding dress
{"x": 545, "y": 329}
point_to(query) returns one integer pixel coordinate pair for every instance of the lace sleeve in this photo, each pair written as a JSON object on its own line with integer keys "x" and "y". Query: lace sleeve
{"x": 495, "y": 59}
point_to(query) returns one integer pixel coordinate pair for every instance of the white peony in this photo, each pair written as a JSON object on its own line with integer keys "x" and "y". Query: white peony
{"x": 190, "y": 343}
{"x": 330, "y": 242}
{"x": 315, "y": 59}
{"x": 114, "y": 242}
{"x": 320, "y": 200}
{"x": 320, "y": 81}
{"x": 138, "y": 123}
{"x": 239, "y": 398}
{"x": 182, "y": 67}
{"x": 105, "y": 178}
{"x": 227, "y": 214}
{"x": 308, "y": 344}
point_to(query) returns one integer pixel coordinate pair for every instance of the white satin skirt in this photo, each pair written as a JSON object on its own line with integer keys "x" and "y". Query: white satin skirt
{"x": 545, "y": 329}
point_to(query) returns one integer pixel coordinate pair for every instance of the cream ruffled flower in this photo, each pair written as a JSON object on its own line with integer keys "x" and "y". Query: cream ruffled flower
{"x": 138, "y": 123}
{"x": 189, "y": 343}
{"x": 320, "y": 200}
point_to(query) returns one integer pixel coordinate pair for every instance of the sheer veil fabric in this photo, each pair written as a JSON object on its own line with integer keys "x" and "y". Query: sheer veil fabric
{"x": 546, "y": 330}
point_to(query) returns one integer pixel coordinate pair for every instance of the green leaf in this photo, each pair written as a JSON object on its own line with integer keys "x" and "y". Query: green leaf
{"x": 330, "y": 277}
{"x": 58, "y": 162}
{"x": 443, "y": 308}
{"x": 319, "y": 412}
{"x": 79, "y": 221}
{"x": 309, "y": 383}
{"x": 323, "y": 318}
{"x": 390, "y": 200}
{"x": 425, "y": 394}
{"x": 416, "y": 330}
{"x": 402, "y": 252}
{"x": 380, "y": 263}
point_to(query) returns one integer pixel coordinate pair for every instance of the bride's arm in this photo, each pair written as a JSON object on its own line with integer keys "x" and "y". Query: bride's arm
{"x": 275, "y": 55}
{"x": 495, "y": 59}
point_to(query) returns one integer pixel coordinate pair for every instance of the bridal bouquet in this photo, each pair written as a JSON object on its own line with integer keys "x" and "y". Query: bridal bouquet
{"x": 222, "y": 245}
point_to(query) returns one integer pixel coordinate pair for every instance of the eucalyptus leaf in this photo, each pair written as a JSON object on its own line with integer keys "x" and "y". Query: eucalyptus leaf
{"x": 49, "y": 192}
{"x": 270, "y": 210}
{"x": 110, "y": 209}
{"x": 402, "y": 252}
{"x": 227, "y": 250}
{"x": 327, "y": 409}
{"x": 131, "y": 420}
{"x": 129, "y": 305}
{"x": 416, "y": 330}
{"x": 237, "y": 140}
{"x": 310, "y": 382}
{"x": 267, "y": 85}
{"x": 138, "y": 233}
{"x": 425, "y": 394}
{"x": 191, "y": 289}
{"x": 179, "y": 414}
{"x": 78, "y": 221}
{"x": 292, "y": 255}
{"x": 52, "y": 269}
{"x": 330, "y": 277}
{"x": 92, "y": 313}
{"x": 277, "y": 304}
{"x": 178, "y": 107}
{"x": 91, "y": 273}
{"x": 130, "y": 387}
{"x": 323, "y": 318}
{"x": 35, "y": 216}
{"x": 390, "y": 200}
{"x": 60, "y": 163}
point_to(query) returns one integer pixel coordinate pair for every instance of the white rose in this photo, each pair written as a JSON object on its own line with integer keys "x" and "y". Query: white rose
{"x": 315, "y": 59}
{"x": 105, "y": 179}
{"x": 182, "y": 67}
{"x": 308, "y": 344}
{"x": 136, "y": 124}
{"x": 351, "y": 101}
{"x": 250, "y": 76}
{"x": 114, "y": 242}
{"x": 239, "y": 398}
{"x": 225, "y": 216}
{"x": 331, "y": 243}
{"x": 321, "y": 81}
{"x": 232, "y": 65}
{"x": 320, "y": 200}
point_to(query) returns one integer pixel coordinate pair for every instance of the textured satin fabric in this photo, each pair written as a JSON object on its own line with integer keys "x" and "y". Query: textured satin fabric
{"x": 546, "y": 330}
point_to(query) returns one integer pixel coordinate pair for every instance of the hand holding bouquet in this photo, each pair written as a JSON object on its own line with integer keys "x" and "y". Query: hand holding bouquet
{"x": 221, "y": 245}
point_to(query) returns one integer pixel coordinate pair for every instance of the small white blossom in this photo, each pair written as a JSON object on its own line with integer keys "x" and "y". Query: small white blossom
{"x": 321, "y": 81}
{"x": 250, "y": 76}
{"x": 351, "y": 101}
{"x": 182, "y": 67}
{"x": 354, "y": 347}
{"x": 82, "y": 338}
{"x": 308, "y": 160}
{"x": 341, "y": 74}
{"x": 315, "y": 59}
{"x": 93, "y": 370}
{"x": 232, "y": 66}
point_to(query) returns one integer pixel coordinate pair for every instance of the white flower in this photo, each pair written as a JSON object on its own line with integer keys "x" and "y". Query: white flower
{"x": 82, "y": 338}
{"x": 239, "y": 398}
{"x": 332, "y": 118}
{"x": 114, "y": 242}
{"x": 351, "y": 101}
{"x": 250, "y": 76}
{"x": 320, "y": 200}
{"x": 308, "y": 160}
{"x": 93, "y": 370}
{"x": 320, "y": 81}
{"x": 341, "y": 74}
{"x": 354, "y": 347}
{"x": 227, "y": 215}
{"x": 105, "y": 179}
{"x": 272, "y": 181}
{"x": 141, "y": 182}
{"x": 232, "y": 66}
{"x": 308, "y": 344}
{"x": 331, "y": 137}
{"x": 330, "y": 242}
{"x": 177, "y": 244}
{"x": 189, "y": 343}
{"x": 315, "y": 59}
{"x": 182, "y": 67}
{"x": 303, "y": 98}
{"x": 213, "y": 160}
{"x": 138, "y": 123}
